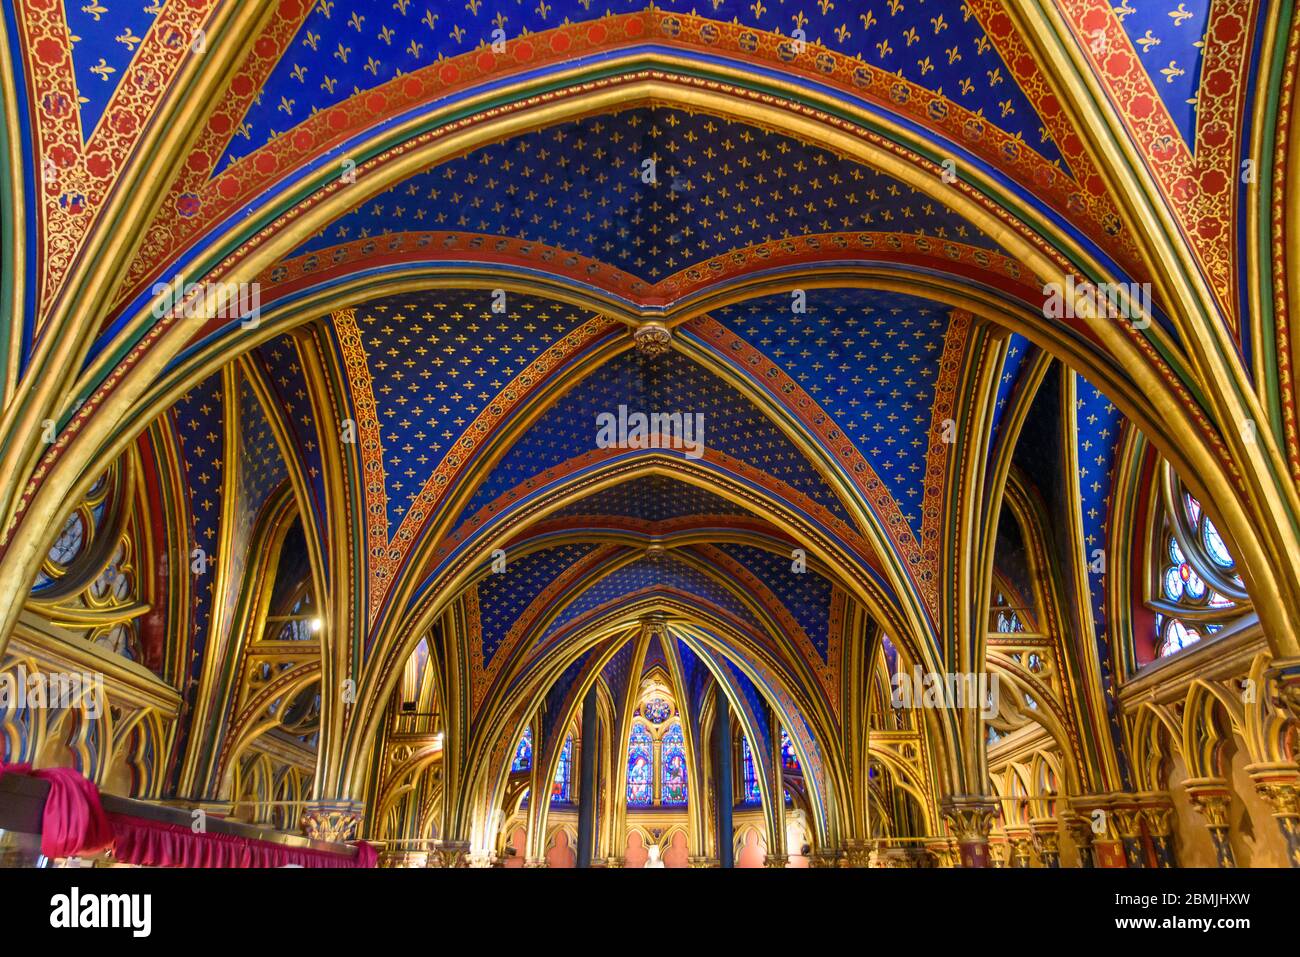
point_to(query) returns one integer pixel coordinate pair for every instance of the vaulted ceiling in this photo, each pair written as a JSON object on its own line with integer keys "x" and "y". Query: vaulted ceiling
{"x": 476, "y": 229}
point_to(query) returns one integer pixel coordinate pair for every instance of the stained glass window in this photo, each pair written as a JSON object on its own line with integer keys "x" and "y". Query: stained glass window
{"x": 523, "y": 753}
{"x": 672, "y": 789}
{"x": 1006, "y": 619}
{"x": 752, "y": 794}
{"x": 70, "y": 552}
{"x": 1188, "y": 581}
{"x": 789, "y": 760}
{"x": 301, "y": 624}
{"x": 657, "y": 711}
{"x": 891, "y": 656}
{"x": 640, "y": 767}
{"x": 121, "y": 639}
{"x": 68, "y": 545}
{"x": 560, "y": 791}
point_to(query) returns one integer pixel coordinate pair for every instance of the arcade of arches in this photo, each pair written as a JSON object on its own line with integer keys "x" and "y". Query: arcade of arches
{"x": 705, "y": 434}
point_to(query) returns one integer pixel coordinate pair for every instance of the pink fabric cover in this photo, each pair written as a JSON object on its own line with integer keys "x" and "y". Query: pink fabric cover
{"x": 74, "y": 822}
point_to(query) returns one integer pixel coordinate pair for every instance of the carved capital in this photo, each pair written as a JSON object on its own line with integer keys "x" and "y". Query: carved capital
{"x": 1285, "y": 678}
{"x": 856, "y": 854}
{"x": 1079, "y": 828}
{"x": 1212, "y": 797}
{"x": 1128, "y": 822}
{"x": 1159, "y": 817}
{"x": 1022, "y": 848}
{"x": 1047, "y": 838}
{"x": 450, "y": 854}
{"x": 404, "y": 859}
{"x": 334, "y": 821}
{"x": 971, "y": 817}
{"x": 1279, "y": 785}
{"x": 944, "y": 852}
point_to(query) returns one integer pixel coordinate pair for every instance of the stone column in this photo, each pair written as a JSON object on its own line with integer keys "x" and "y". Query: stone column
{"x": 587, "y": 755}
{"x": 1128, "y": 821}
{"x": 1107, "y": 846}
{"x": 971, "y": 818}
{"x": 1158, "y": 815}
{"x": 776, "y": 860}
{"x": 1047, "y": 837}
{"x": 1080, "y": 831}
{"x": 999, "y": 851}
{"x": 701, "y": 862}
{"x": 722, "y": 780}
{"x": 1022, "y": 848}
{"x": 1213, "y": 799}
{"x": 1279, "y": 785}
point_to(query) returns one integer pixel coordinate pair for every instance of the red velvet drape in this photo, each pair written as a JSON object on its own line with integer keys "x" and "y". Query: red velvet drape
{"x": 74, "y": 820}
{"x": 75, "y": 823}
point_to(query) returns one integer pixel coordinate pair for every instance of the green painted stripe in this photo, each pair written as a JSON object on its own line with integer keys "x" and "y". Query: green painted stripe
{"x": 1266, "y": 348}
{"x": 10, "y": 317}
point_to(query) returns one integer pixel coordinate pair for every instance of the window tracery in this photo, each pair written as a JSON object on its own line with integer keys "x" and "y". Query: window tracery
{"x": 89, "y": 581}
{"x": 1197, "y": 589}
{"x": 656, "y": 747}
{"x": 640, "y": 767}
{"x": 673, "y": 767}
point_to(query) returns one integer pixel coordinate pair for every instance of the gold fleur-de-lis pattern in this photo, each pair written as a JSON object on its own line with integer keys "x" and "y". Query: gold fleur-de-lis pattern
{"x": 1169, "y": 36}
{"x": 651, "y": 191}
{"x": 345, "y": 47}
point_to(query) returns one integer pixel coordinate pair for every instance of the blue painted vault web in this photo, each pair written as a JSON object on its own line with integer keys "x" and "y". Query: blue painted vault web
{"x": 654, "y": 498}
{"x": 503, "y": 598}
{"x": 672, "y": 383}
{"x": 284, "y": 372}
{"x": 437, "y": 358}
{"x": 104, "y": 42}
{"x": 871, "y": 359}
{"x": 346, "y": 46}
{"x": 1169, "y": 38}
{"x": 1016, "y": 362}
{"x": 261, "y": 464}
{"x": 645, "y": 573}
{"x": 806, "y": 595}
{"x": 718, "y": 185}
{"x": 200, "y": 418}
{"x": 618, "y": 670}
